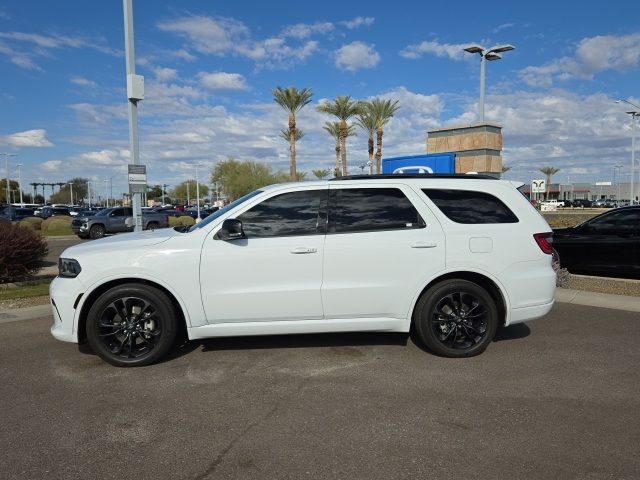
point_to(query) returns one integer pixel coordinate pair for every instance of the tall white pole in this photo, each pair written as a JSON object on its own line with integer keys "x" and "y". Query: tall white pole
{"x": 106, "y": 191}
{"x": 633, "y": 156}
{"x": 6, "y": 166}
{"x": 20, "y": 183}
{"x": 188, "y": 199}
{"x": 133, "y": 107}
{"x": 71, "y": 190}
{"x": 197, "y": 194}
{"x": 89, "y": 192}
{"x": 481, "y": 107}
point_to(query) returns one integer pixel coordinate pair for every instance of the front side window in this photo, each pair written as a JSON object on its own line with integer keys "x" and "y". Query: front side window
{"x": 287, "y": 214}
{"x": 625, "y": 221}
{"x": 371, "y": 209}
{"x": 470, "y": 207}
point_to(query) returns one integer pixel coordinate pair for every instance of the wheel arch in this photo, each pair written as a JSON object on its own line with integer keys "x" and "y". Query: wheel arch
{"x": 490, "y": 285}
{"x": 92, "y": 296}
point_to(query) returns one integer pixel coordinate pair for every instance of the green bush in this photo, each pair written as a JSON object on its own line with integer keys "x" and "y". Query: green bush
{"x": 21, "y": 251}
{"x": 35, "y": 223}
{"x": 57, "y": 226}
{"x": 181, "y": 221}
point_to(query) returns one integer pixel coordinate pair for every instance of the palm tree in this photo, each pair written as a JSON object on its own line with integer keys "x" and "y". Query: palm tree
{"x": 382, "y": 111}
{"x": 284, "y": 133}
{"x": 367, "y": 122}
{"x": 292, "y": 100}
{"x": 333, "y": 128}
{"x": 344, "y": 108}
{"x": 320, "y": 174}
{"x": 549, "y": 172}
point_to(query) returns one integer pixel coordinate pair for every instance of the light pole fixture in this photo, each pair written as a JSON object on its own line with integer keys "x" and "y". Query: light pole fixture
{"x": 486, "y": 54}
{"x": 20, "y": 184}
{"x": 634, "y": 114}
{"x": 6, "y": 165}
{"x": 71, "y": 190}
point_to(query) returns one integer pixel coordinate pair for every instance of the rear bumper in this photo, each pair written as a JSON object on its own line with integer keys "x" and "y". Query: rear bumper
{"x": 524, "y": 314}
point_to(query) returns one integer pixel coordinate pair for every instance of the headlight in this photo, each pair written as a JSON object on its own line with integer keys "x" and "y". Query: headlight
{"x": 68, "y": 267}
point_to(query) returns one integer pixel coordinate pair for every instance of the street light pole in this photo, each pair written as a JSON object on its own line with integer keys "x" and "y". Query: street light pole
{"x": 135, "y": 92}
{"x": 71, "y": 187}
{"x": 164, "y": 186}
{"x": 486, "y": 54}
{"x": 188, "y": 199}
{"x": 197, "y": 194}
{"x": 89, "y": 192}
{"x": 20, "y": 184}
{"x": 634, "y": 114}
{"x": 616, "y": 169}
{"x": 106, "y": 190}
{"x": 6, "y": 165}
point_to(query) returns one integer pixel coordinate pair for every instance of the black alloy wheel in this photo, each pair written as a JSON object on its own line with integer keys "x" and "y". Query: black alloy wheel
{"x": 456, "y": 318}
{"x": 97, "y": 231}
{"x": 131, "y": 325}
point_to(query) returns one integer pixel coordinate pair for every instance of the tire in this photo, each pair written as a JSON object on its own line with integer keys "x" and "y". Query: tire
{"x": 445, "y": 323}
{"x": 147, "y": 332}
{"x": 96, "y": 232}
{"x": 152, "y": 226}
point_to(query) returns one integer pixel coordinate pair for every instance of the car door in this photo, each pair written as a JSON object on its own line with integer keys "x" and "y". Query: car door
{"x": 609, "y": 243}
{"x": 379, "y": 250}
{"x": 275, "y": 272}
{"x": 117, "y": 220}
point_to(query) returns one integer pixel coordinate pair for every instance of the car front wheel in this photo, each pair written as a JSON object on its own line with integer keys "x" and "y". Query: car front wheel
{"x": 456, "y": 318}
{"x": 97, "y": 231}
{"x": 131, "y": 325}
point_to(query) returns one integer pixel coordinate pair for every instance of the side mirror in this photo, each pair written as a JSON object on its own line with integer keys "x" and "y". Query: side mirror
{"x": 231, "y": 230}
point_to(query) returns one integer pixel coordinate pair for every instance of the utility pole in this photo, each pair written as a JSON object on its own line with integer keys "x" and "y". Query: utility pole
{"x": 71, "y": 187}
{"x": 135, "y": 92}
{"x": 197, "y": 193}
{"x": 106, "y": 191}
{"x": 20, "y": 184}
{"x": 6, "y": 165}
{"x": 188, "y": 199}
{"x": 89, "y": 192}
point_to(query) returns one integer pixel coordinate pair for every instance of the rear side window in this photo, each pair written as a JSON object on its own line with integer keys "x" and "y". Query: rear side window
{"x": 371, "y": 209}
{"x": 470, "y": 207}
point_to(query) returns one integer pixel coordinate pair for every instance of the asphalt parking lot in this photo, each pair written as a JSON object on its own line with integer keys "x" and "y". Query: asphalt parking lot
{"x": 556, "y": 399}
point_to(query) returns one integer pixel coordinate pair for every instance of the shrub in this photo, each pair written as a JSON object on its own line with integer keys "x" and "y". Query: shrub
{"x": 21, "y": 251}
{"x": 35, "y": 223}
{"x": 57, "y": 226}
{"x": 181, "y": 221}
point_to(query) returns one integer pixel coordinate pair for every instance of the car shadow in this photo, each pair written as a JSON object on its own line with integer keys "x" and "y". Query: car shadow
{"x": 512, "y": 332}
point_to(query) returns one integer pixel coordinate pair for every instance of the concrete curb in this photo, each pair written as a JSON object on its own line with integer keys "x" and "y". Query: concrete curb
{"x": 602, "y": 300}
{"x": 26, "y": 313}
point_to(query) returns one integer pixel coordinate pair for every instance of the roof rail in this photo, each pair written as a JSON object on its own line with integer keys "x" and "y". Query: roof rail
{"x": 415, "y": 175}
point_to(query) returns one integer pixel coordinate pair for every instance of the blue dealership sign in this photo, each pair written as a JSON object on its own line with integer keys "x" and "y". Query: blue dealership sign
{"x": 426, "y": 163}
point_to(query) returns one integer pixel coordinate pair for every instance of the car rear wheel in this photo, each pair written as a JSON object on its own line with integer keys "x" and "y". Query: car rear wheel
{"x": 456, "y": 318}
{"x": 152, "y": 226}
{"x": 131, "y": 325}
{"x": 97, "y": 231}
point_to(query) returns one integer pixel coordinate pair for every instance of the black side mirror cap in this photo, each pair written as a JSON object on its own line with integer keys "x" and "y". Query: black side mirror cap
{"x": 231, "y": 230}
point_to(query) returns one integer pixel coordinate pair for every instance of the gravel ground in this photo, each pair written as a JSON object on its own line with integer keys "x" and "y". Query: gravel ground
{"x": 24, "y": 302}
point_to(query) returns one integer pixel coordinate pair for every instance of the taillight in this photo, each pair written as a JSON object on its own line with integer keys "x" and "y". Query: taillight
{"x": 544, "y": 241}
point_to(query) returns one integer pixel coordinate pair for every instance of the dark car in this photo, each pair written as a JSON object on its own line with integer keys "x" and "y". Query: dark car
{"x": 46, "y": 212}
{"x": 607, "y": 245}
{"x": 581, "y": 203}
{"x": 17, "y": 213}
{"x": 204, "y": 212}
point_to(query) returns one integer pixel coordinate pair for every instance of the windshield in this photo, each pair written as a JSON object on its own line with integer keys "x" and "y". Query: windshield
{"x": 224, "y": 210}
{"x": 102, "y": 213}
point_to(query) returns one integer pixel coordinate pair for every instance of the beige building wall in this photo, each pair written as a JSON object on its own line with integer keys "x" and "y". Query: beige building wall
{"x": 478, "y": 148}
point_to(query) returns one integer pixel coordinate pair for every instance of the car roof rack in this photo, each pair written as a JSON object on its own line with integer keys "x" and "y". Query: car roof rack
{"x": 415, "y": 175}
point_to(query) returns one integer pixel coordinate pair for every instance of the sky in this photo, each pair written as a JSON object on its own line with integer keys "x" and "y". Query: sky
{"x": 210, "y": 68}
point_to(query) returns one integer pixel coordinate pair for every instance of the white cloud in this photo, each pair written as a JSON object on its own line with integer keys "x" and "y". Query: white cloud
{"x": 593, "y": 55}
{"x": 29, "y": 138}
{"x": 358, "y": 22}
{"x": 453, "y": 51}
{"x": 83, "y": 82}
{"x": 304, "y": 30}
{"x": 222, "y": 81}
{"x": 51, "y": 165}
{"x": 226, "y": 36}
{"x": 164, "y": 74}
{"x": 355, "y": 56}
{"x": 103, "y": 158}
{"x": 503, "y": 26}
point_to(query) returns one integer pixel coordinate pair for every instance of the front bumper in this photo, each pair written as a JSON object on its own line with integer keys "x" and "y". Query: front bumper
{"x": 64, "y": 292}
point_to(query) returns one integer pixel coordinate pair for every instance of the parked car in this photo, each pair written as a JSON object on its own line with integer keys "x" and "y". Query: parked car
{"x": 204, "y": 212}
{"x": 581, "y": 203}
{"x": 16, "y": 213}
{"x": 114, "y": 220}
{"x": 46, "y": 212}
{"x": 608, "y": 244}
{"x": 604, "y": 203}
{"x": 454, "y": 256}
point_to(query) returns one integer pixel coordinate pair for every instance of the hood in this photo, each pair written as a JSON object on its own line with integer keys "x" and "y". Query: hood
{"x": 121, "y": 241}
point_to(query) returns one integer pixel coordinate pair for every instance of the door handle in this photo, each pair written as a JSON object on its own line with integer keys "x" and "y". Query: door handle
{"x": 423, "y": 245}
{"x": 303, "y": 250}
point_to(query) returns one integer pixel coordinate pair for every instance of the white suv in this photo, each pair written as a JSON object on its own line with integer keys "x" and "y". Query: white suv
{"x": 454, "y": 256}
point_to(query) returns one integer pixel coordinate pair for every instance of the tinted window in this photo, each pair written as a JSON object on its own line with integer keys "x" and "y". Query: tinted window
{"x": 465, "y": 206}
{"x": 370, "y": 209}
{"x": 61, "y": 211}
{"x": 625, "y": 221}
{"x": 296, "y": 213}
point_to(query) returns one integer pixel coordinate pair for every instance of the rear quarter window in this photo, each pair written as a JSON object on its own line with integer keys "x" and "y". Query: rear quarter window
{"x": 470, "y": 207}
